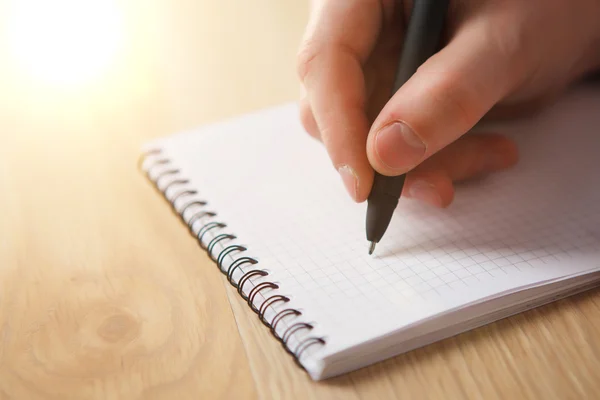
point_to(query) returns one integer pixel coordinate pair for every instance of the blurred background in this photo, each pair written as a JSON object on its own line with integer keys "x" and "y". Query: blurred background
{"x": 123, "y": 69}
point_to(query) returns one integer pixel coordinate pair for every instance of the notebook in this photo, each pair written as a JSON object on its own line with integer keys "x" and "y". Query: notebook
{"x": 262, "y": 198}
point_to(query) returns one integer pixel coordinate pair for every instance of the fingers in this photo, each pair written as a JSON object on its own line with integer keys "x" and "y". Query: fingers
{"x": 339, "y": 39}
{"x": 446, "y": 97}
{"x": 308, "y": 120}
{"x": 469, "y": 157}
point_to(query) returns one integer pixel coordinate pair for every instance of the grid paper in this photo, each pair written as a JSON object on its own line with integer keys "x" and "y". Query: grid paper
{"x": 277, "y": 191}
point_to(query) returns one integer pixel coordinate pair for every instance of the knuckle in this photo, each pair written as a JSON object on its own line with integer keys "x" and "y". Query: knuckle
{"x": 459, "y": 99}
{"x": 305, "y": 57}
{"x": 511, "y": 42}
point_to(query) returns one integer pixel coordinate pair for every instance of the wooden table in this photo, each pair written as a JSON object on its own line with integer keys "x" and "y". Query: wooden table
{"x": 103, "y": 293}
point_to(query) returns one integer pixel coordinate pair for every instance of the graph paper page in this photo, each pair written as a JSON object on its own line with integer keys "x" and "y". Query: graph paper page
{"x": 277, "y": 191}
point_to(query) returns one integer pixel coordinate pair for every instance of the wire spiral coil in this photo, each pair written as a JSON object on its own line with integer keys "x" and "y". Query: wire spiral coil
{"x": 238, "y": 264}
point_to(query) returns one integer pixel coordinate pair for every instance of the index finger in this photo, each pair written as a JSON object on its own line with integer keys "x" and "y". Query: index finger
{"x": 339, "y": 39}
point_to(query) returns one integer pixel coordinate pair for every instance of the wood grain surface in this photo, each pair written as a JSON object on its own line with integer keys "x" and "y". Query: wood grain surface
{"x": 103, "y": 293}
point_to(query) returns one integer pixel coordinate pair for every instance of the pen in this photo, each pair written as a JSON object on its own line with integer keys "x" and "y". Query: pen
{"x": 421, "y": 42}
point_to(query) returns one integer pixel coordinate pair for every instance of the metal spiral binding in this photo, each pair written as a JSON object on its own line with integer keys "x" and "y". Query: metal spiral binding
{"x": 237, "y": 263}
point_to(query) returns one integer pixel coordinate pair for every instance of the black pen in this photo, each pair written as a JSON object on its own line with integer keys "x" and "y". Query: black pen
{"x": 421, "y": 42}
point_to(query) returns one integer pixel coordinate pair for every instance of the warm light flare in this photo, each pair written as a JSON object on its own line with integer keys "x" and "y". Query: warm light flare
{"x": 65, "y": 42}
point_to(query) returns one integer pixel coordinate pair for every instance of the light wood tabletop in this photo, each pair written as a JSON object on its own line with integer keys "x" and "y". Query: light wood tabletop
{"x": 105, "y": 295}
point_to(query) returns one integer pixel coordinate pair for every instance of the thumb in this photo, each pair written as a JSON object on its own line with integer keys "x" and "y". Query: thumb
{"x": 445, "y": 98}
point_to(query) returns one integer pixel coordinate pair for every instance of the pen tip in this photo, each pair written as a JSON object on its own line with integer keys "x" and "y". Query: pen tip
{"x": 372, "y": 248}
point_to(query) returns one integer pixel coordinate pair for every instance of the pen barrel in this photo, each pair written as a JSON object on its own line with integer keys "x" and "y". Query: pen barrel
{"x": 422, "y": 37}
{"x": 421, "y": 42}
{"x": 385, "y": 186}
{"x": 382, "y": 203}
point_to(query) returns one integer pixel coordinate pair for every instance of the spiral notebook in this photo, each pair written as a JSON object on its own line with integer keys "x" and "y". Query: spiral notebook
{"x": 261, "y": 197}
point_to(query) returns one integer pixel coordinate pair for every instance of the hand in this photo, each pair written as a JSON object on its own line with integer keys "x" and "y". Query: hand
{"x": 499, "y": 58}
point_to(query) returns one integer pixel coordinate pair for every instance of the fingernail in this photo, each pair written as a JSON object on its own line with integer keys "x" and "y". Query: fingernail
{"x": 398, "y": 147}
{"x": 424, "y": 191}
{"x": 350, "y": 180}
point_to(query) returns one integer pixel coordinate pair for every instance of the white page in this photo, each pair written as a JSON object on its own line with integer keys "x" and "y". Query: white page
{"x": 277, "y": 191}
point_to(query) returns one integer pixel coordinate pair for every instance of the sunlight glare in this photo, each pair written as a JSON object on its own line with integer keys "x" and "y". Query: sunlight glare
{"x": 65, "y": 42}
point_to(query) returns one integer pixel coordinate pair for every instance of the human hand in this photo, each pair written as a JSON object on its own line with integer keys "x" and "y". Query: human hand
{"x": 500, "y": 58}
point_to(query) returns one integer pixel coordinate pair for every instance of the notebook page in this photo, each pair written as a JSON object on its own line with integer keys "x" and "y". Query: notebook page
{"x": 277, "y": 191}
